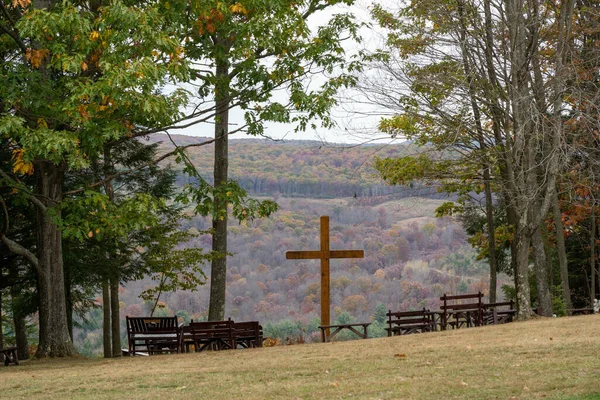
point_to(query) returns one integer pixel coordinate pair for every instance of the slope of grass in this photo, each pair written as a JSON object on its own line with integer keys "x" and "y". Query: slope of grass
{"x": 543, "y": 358}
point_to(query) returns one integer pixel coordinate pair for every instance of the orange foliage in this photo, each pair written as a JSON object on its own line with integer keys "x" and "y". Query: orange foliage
{"x": 36, "y": 57}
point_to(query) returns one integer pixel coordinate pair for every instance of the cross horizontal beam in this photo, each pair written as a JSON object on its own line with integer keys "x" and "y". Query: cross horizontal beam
{"x": 316, "y": 254}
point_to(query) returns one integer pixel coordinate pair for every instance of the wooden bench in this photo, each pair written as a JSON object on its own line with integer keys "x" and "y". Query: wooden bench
{"x": 580, "y": 311}
{"x": 154, "y": 334}
{"x": 338, "y": 328}
{"x": 213, "y": 335}
{"x": 248, "y": 334}
{"x": 464, "y": 310}
{"x": 407, "y": 322}
{"x": 496, "y": 313}
{"x": 10, "y": 355}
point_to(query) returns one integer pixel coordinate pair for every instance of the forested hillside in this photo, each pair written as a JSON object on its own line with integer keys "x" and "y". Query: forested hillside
{"x": 410, "y": 259}
{"x": 301, "y": 168}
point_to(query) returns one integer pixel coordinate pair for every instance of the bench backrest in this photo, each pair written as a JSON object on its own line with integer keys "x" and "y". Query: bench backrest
{"x": 213, "y": 329}
{"x": 250, "y": 327}
{"x": 449, "y": 301}
{"x": 495, "y": 306}
{"x": 408, "y": 317}
{"x": 462, "y": 302}
{"x": 152, "y": 324}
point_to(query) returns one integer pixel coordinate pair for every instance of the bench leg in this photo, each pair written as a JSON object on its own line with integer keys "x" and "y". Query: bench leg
{"x": 10, "y": 356}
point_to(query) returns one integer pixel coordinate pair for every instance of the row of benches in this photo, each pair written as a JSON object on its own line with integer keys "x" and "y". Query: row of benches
{"x": 457, "y": 311}
{"x": 164, "y": 334}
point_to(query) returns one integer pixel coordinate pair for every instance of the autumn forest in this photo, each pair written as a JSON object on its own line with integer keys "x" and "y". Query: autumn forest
{"x": 487, "y": 181}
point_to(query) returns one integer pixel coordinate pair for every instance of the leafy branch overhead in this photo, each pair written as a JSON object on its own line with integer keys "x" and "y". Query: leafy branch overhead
{"x": 201, "y": 195}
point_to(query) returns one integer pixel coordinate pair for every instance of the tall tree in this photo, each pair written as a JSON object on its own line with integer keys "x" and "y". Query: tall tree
{"x": 470, "y": 72}
{"x": 73, "y": 84}
{"x": 261, "y": 57}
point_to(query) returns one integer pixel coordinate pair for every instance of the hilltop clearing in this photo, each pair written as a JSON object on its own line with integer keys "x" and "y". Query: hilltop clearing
{"x": 543, "y": 358}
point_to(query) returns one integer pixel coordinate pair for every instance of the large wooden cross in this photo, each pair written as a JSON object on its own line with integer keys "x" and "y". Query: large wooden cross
{"x": 324, "y": 255}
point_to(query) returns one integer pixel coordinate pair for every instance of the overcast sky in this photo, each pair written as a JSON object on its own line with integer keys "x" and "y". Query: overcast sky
{"x": 356, "y": 122}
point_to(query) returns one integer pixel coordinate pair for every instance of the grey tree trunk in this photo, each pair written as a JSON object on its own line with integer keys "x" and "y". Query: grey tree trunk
{"x": 55, "y": 340}
{"x": 541, "y": 276}
{"x": 489, "y": 208}
{"x": 522, "y": 279}
{"x": 218, "y": 273}
{"x": 106, "y": 340}
{"x": 115, "y": 320}
{"x": 562, "y": 254}
{"x": 493, "y": 257}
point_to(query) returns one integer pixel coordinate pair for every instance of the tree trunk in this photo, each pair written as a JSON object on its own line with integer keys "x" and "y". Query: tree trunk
{"x": 115, "y": 316}
{"x": 493, "y": 257}
{"x": 54, "y": 331}
{"x": 20, "y": 325}
{"x": 106, "y": 340}
{"x": 489, "y": 208}
{"x": 522, "y": 278}
{"x": 1, "y": 332}
{"x": 218, "y": 273}
{"x": 68, "y": 300}
{"x": 593, "y": 259}
{"x": 541, "y": 276}
{"x": 562, "y": 255}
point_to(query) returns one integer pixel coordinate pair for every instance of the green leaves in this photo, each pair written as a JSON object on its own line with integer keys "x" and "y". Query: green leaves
{"x": 94, "y": 215}
{"x": 172, "y": 267}
{"x": 86, "y": 82}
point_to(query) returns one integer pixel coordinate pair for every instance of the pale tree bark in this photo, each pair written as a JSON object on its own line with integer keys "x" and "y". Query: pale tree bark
{"x": 544, "y": 298}
{"x": 523, "y": 293}
{"x": 519, "y": 160}
{"x": 489, "y": 208}
{"x": 562, "y": 254}
{"x": 106, "y": 341}
{"x": 218, "y": 272}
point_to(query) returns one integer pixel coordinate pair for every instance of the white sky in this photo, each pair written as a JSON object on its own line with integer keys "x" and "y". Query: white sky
{"x": 356, "y": 122}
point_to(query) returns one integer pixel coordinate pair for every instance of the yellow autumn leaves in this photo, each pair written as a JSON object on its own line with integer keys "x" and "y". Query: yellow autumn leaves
{"x": 36, "y": 57}
{"x": 238, "y": 8}
{"x": 208, "y": 22}
{"x": 20, "y": 166}
{"x": 21, "y": 3}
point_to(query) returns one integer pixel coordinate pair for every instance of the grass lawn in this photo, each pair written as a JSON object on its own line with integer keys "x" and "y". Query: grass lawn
{"x": 543, "y": 358}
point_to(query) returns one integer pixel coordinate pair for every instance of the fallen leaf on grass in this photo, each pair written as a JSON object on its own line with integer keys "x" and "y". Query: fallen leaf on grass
{"x": 464, "y": 383}
{"x": 469, "y": 347}
{"x": 335, "y": 384}
{"x": 550, "y": 338}
{"x": 526, "y": 388}
{"x": 400, "y": 355}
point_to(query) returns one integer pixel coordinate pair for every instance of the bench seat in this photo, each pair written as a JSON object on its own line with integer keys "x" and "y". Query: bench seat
{"x": 153, "y": 335}
{"x": 408, "y": 322}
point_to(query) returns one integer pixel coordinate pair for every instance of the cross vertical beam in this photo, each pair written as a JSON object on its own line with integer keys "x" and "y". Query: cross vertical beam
{"x": 325, "y": 285}
{"x": 324, "y": 254}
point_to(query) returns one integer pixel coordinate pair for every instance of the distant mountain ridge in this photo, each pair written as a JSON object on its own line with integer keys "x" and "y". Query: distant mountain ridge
{"x": 299, "y": 168}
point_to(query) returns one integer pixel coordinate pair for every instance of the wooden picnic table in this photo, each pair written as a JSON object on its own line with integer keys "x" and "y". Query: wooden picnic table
{"x": 10, "y": 355}
{"x": 339, "y": 328}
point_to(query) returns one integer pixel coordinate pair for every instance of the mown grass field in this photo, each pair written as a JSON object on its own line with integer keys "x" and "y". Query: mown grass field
{"x": 543, "y": 358}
